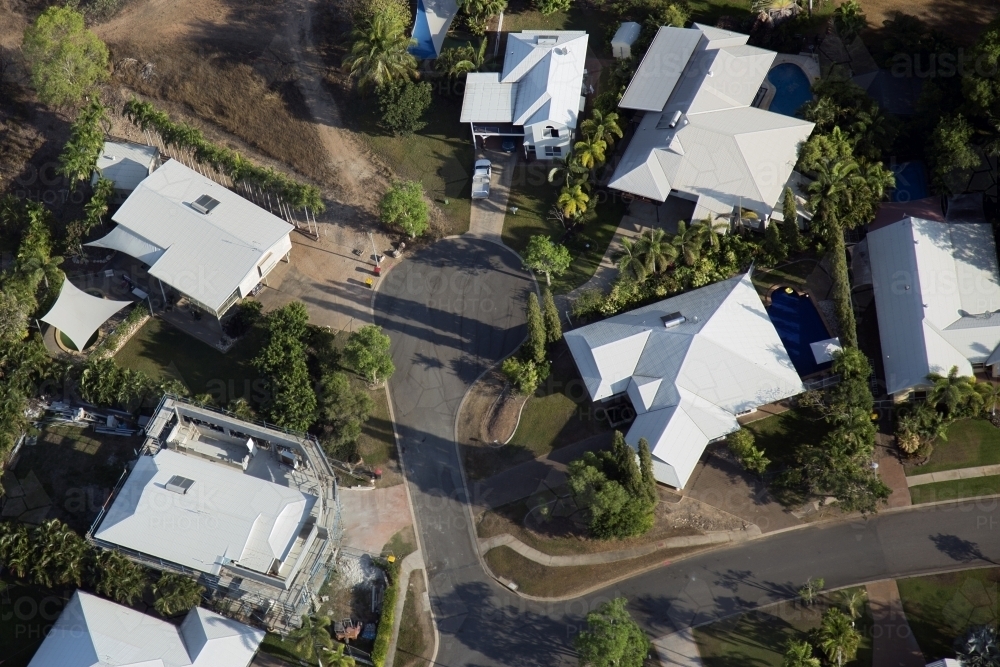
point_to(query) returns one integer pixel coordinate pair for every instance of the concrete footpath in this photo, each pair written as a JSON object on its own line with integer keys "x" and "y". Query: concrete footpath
{"x": 678, "y": 650}
{"x": 952, "y": 475}
{"x": 708, "y": 539}
{"x": 893, "y": 643}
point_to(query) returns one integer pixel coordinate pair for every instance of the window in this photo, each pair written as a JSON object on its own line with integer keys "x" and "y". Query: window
{"x": 550, "y": 132}
{"x": 553, "y": 151}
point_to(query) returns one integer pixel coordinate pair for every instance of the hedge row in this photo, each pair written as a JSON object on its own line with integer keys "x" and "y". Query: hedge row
{"x": 381, "y": 649}
{"x": 225, "y": 160}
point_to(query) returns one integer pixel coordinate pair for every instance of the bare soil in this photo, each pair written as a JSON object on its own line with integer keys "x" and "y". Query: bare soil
{"x": 962, "y": 19}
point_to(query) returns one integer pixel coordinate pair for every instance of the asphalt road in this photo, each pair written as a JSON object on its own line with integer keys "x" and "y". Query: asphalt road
{"x": 457, "y": 306}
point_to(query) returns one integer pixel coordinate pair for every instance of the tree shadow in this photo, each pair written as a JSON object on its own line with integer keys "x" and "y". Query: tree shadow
{"x": 964, "y": 551}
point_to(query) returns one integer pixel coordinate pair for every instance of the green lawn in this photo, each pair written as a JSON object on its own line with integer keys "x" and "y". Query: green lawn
{"x": 534, "y": 197}
{"x": 440, "y": 156}
{"x": 26, "y": 614}
{"x": 941, "y": 607}
{"x": 164, "y": 351}
{"x": 559, "y": 413}
{"x": 782, "y": 435}
{"x": 757, "y": 639}
{"x": 416, "y": 637}
{"x": 970, "y": 443}
{"x": 955, "y": 490}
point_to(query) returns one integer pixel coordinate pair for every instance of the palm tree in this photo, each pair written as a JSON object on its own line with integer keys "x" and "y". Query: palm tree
{"x": 799, "y": 654}
{"x": 119, "y": 578}
{"x": 336, "y": 658}
{"x": 311, "y": 634}
{"x": 990, "y": 394}
{"x": 837, "y": 637}
{"x": 379, "y": 54}
{"x": 656, "y": 251}
{"x": 602, "y": 126}
{"x": 176, "y": 593}
{"x": 689, "y": 242}
{"x": 629, "y": 261}
{"x": 569, "y": 171}
{"x": 711, "y": 229}
{"x": 952, "y": 390}
{"x": 461, "y": 60}
{"x": 854, "y": 602}
{"x": 590, "y": 152}
{"x": 479, "y": 12}
{"x": 573, "y": 201}
{"x": 59, "y": 554}
{"x": 850, "y": 20}
{"x": 16, "y": 548}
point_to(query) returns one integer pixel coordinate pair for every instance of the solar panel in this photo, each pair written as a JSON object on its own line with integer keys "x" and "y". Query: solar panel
{"x": 204, "y": 204}
{"x": 178, "y": 484}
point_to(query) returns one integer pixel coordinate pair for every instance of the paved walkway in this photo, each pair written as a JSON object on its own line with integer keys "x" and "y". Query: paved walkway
{"x": 951, "y": 475}
{"x": 678, "y": 650}
{"x": 892, "y": 639}
{"x": 414, "y": 561}
{"x": 891, "y": 471}
{"x": 708, "y": 539}
{"x": 486, "y": 215}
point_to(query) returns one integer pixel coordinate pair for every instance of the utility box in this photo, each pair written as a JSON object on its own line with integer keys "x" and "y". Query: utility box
{"x": 621, "y": 43}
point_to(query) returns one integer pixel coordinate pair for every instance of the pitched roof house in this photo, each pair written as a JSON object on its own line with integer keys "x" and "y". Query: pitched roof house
{"x": 537, "y": 96}
{"x": 937, "y": 296}
{"x": 94, "y": 632}
{"x": 699, "y": 135}
{"x": 202, "y": 239}
{"x": 689, "y": 365}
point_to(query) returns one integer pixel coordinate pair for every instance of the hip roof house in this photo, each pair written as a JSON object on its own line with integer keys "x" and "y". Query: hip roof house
{"x": 204, "y": 240}
{"x": 689, "y": 365}
{"x": 937, "y": 296}
{"x": 94, "y": 632}
{"x": 538, "y": 96}
{"x": 699, "y": 135}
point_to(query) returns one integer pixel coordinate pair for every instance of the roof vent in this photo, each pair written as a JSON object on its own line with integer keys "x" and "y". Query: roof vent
{"x": 547, "y": 40}
{"x": 671, "y": 320}
{"x": 179, "y": 484}
{"x": 204, "y": 204}
{"x": 676, "y": 118}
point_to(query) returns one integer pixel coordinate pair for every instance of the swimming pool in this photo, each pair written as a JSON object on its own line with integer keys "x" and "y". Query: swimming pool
{"x": 424, "y": 48}
{"x": 798, "y": 324}
{"x": 793, "y": 88}
{"x": 911, "y": 181}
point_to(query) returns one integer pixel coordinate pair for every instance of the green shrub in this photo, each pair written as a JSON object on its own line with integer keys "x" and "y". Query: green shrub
{"x": 380, "y": 651}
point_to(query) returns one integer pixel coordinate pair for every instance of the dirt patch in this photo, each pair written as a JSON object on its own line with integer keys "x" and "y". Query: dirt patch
{"x": 961, "y": 19}
{"x": 416, "y": 632}
{"x": 552, "y": 523}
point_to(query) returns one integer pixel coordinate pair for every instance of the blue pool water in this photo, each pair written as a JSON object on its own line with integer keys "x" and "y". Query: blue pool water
{"x": 424, "y": 48}
{"x": 793, "y": 88}
{"x": 798, "y": 324}
{"x": 911, "y": 181}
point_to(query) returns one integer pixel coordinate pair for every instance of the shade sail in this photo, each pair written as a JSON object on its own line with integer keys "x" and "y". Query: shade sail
{"x": 78, "y": 314}
{"x": 823, "y": 350}
{"x": 133, "y": 245}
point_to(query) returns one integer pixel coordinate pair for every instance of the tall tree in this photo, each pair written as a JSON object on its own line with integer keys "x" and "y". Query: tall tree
{"x": 553, "y": 325}
{"x": 655, "y": 251}
{"x": 790, "y": 224}
{"x": 65, "y": 59}
{"x": 799, "y": 654}
{"x": 952, "y": 391}
{"x": 342, "y": 413}
{"x": 838, "y": 638}
{"x": 86, "y": 140}
{"x": 689, "y": 241}
{"x": 291, "y": 400}
{"x": 602, "y": 126}
{"x": 573, "y": 200}
{"x": 628, "y": 470}
{"x": 175, "y": 593}
{"x": 629, "y": 261}
{"x": 646, "y": 468}
{"x": 544, "y": 256}
{"x": 536, "y": 330}
{"x": 951, "y": 153}
{"x": 458, "y": 61}
{"x": 773, "y": 246}
{"x": 479, "y": 12}
{"x": 313, "y": 634}
{"x": 612, "y": 638}
{"x": 403, "y": 206}
{"x": 591, "y": 152}
{"x": 379, "y": 52}
{"x": 367, "y": 353}
{"x": 850, "y": 20}
{"x": 118, "y": 578}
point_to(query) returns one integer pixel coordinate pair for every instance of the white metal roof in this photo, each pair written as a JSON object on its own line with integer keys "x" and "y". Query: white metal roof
{"x": 937, "y": 296}
{"x": 78, "y": 314}
{"x": 225, "y": 515}
{"x": 720, "y": 148}
{"x": 94, "y": 632}
{"x": 205, "y": 256}
{"x": 125, "y": 163}
{"x": 541, "y": 81}
{"x": 687, "y": 382}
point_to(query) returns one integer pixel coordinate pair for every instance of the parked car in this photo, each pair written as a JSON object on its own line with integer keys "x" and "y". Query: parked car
{"x": 481, "y": 179}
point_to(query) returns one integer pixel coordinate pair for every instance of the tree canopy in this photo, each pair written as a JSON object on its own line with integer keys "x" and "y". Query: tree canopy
{"x": 65, "y": 59}
{"x": 403, "y": 206}
{"x": 612, "y": 638}
{"x": 544, "y": 256}
{"x": 367, "y": 353}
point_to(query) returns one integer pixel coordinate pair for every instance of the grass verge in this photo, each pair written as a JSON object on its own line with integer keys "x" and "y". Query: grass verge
{"x": 543, "y": 581}
{"x": 941, "y": 607}
{"x": 955, "y": 490}
{"x": 416, "y": 633}
{"x": 970, "y": 443}
{"x": 534, "y": 197}
{"x": 402, "y": 544}
{"x": 758, "y": 638}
